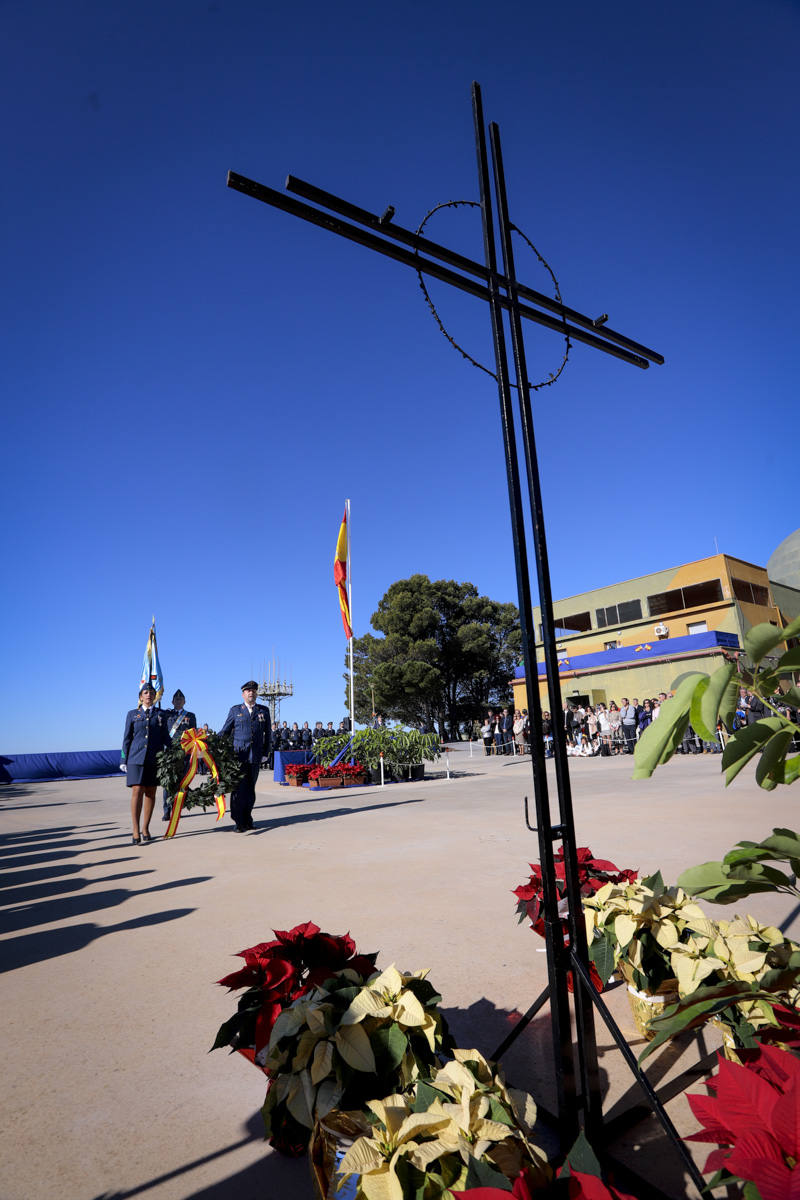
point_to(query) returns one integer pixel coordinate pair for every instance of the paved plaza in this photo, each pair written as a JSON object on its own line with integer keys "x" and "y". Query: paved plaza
{"x": 109, "y": 953}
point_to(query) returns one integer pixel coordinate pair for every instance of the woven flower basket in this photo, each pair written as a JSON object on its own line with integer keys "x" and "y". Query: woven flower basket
{"x": 729, "y": 1047}
{"x": 646, "y": 1005}
{"x": 330, "y": 1141}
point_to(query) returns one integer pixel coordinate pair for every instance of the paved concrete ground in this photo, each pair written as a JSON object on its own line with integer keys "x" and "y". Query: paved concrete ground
{"x": 109, "y": 953}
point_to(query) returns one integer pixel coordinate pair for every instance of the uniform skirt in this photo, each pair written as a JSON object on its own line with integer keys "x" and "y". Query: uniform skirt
{"x": 142, "y": 774}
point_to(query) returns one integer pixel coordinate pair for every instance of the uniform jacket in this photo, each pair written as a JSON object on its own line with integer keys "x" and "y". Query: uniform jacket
{"x": 252, "y": 735}
{"x": 146, "y": 732}
{"x": 187, "y": 720}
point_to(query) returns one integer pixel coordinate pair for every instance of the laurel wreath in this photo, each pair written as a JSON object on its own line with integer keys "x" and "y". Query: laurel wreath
{"x": 172, "y": 763}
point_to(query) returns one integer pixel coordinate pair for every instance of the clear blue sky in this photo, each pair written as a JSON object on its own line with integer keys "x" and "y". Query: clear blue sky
{"x": 194, "y": 382}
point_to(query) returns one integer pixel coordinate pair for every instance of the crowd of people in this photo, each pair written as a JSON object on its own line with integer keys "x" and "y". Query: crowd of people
{"x": 604, "y": 730}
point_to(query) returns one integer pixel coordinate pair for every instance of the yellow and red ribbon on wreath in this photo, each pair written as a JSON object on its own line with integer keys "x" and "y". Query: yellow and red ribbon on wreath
{"x": 193, "y": 741}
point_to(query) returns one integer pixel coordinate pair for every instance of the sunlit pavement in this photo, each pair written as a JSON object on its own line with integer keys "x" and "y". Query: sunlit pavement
{"x": 109, "y": 953}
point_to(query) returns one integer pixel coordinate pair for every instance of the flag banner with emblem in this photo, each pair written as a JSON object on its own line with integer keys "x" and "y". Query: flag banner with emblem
{"x": 340, "y": 576}
{"x": 151, "y": 667}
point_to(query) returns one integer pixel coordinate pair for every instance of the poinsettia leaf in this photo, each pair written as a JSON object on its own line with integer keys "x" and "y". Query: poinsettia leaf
{"x": 482, "y": 1174}
{"x": 425, "y": 1096}
{"x": 581, "y": 1157}
{"x": 228, "y": 1031}
{"x": 757, "y": 1158}
{"x": 601, "y": 953}
{"x": 354, "y": 1046}
{"x": 389, "y": 1044}
{"x": 744, "y": 1096}
{"x": 785, "y": 1123}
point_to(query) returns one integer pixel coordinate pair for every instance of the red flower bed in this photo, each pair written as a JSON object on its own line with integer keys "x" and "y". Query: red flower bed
{"x": 351, "y": 770}
{"x": 299, "y": 771}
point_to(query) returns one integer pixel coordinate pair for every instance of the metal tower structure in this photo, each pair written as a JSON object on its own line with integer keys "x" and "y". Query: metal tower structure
{"x": 274, "y": 689}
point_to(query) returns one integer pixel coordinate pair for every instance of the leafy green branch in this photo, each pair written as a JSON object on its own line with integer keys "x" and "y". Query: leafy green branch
{"x": 705, "y": 700}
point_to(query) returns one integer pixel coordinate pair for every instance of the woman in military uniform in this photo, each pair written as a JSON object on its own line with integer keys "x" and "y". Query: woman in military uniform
{"x": 146, "y": 732}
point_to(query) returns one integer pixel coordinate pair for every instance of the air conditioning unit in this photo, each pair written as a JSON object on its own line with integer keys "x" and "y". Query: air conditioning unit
{"x": 661, "y": 630}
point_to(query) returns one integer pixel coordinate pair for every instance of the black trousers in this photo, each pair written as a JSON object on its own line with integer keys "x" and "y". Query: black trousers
{"x": 243, "y": 796}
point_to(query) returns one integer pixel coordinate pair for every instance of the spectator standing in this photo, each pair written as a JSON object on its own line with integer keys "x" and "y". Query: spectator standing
{"x": 519, "y": 732}
{"x": 547, "y": 733}
{"x": 628, "y": 720}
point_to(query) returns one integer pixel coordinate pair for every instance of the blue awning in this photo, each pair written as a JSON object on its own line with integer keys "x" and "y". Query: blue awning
{"x": 637, "y": 652}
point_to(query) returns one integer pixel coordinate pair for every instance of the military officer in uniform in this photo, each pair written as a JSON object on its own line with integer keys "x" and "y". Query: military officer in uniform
{"x": 179, "y": 719}
{"x": 306, "y": 737}
{"x": 146, "y": 732}
{"x": 318, "y": 731}
{"x": 252, "y": 736}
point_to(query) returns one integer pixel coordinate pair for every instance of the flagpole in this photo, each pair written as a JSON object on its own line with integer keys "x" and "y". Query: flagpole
{"x": 350, "y": 606}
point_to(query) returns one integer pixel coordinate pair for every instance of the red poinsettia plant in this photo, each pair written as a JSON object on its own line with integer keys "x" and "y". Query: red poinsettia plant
{"x": 299, "y": 771}
{"x": 350, "y": 770}
{"x": 593, "y": 873}
{"x": 753, "y": 1114}
{"x": 276, "y": 973}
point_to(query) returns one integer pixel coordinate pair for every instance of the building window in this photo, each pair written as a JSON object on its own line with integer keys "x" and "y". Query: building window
{"x": 615, "y": 614}
{"x": 610, "y": 645}
{"x": 750, "y": 593}
{"x": 689, "y": 597}
{"x": 697, "y": 627}
{"x": 630, "y": 610}
{"x": 577, "y": 623}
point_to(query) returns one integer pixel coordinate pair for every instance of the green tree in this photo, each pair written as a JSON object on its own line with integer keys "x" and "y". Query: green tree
{"x": 443, "y": 655}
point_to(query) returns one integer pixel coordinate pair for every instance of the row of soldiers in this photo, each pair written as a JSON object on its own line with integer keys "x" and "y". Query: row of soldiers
{"x": 284, "y": 738}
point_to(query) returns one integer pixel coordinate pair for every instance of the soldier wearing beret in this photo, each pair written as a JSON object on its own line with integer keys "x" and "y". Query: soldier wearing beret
{"x": 249, "y": 724}
{"x": 146, "y": 732}
{"x": 179, "y": 719}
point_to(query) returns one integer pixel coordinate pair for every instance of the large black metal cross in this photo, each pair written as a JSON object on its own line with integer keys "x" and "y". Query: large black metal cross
{"x": 577, "y": 1081}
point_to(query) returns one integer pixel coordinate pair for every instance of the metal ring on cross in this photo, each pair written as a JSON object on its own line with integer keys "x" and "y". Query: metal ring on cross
{"x": 535, "y": 387}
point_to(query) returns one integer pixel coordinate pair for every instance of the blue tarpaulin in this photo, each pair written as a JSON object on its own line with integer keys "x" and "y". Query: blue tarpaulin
{"x": 65, "y": 764}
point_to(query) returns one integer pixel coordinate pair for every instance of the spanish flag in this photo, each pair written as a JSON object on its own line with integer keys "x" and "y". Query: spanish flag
{"x": 340, "y": 575}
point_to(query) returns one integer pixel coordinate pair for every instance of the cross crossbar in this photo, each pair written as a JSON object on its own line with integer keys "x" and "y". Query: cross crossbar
{"x": 634, "y": 354}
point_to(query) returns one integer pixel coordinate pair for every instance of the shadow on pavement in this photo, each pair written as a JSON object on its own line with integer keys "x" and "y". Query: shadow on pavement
{"x": 68, "y": 907}
{"x": 272, "y": 1177}
{"x": 53, "y": 943}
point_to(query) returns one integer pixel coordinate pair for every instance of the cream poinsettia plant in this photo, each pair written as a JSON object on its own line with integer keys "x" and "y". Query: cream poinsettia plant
{"x": 636, "y": 927}
{"x": 462, "y": 1128}
{"x": 347, "y": 1042}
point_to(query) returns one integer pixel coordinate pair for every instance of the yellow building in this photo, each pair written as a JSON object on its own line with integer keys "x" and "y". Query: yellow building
{"x": 642, "y": 637}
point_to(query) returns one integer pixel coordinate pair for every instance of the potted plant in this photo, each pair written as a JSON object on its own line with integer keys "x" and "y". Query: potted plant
{"x": 633, "y": 927}
{"x": 297, "y": 773}
{"x": 325, "y": 777}
{"x": 349, "y": 1041}
{"x": 353, "y": 774}
{"x": 404, "y": 751}
{"x": 751, "y": 1116}
{"x": 278, "y": 972}
{"x": 462, "y": 1128}
{"x": 593, "y": 874}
